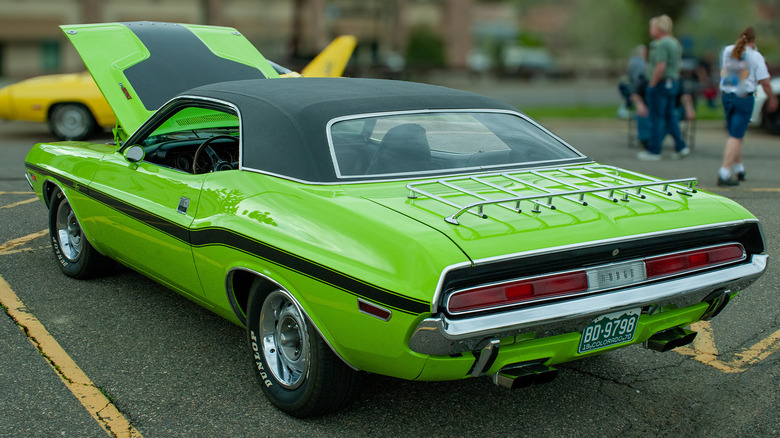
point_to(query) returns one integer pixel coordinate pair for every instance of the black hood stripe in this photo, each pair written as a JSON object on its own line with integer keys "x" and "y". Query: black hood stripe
{"x": 231, "y": 239}
{"x": 178, "y": 61}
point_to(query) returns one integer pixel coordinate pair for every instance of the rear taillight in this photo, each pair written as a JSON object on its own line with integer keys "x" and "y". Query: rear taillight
{"x": 672, "y": 264}
{"x": 515, "y": 292}
{"x": 594, "y": 279}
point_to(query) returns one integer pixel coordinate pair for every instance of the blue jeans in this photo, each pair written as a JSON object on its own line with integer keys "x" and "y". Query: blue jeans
{"x": 663, "y": 118}
{"x": 738, "y": 110}
{"x": 643, "y": 128}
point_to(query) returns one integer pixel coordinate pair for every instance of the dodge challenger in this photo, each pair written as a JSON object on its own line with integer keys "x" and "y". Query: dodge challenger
{"x": 359, "y": 225}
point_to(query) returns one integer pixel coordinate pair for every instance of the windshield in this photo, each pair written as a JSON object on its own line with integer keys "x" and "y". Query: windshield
{"x": 440, "y": 141}
{"x": 194, "y": 122}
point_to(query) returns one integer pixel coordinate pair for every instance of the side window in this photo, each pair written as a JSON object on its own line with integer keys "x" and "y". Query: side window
{"x": 195, "y": 140}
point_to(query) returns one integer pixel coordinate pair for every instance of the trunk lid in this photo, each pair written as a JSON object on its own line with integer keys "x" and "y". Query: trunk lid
{"x": 567, "y": 222}
{"x": 139, "y": 66}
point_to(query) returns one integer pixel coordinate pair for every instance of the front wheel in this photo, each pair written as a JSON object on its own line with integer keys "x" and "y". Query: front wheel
{"x": 296, "y": 369}
{"x": 76, "y": 256}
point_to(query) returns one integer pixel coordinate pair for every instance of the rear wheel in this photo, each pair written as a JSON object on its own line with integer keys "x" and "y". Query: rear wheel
{"x": 296, "y": 369}
{"x": 71, "y": 121}
{"x": 76, "y": 256}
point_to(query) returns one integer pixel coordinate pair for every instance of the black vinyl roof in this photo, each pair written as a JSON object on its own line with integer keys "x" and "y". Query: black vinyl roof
{"x": 284, "y": 120}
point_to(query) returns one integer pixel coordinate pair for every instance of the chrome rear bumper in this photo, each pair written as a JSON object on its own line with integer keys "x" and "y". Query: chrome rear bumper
{"x": 442, "y": 335}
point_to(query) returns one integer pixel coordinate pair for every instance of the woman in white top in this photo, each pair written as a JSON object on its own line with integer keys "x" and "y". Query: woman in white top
{"x": 742, "y": 70}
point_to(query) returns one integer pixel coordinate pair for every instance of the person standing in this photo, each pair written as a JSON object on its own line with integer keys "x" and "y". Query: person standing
{"x": 743, "y": 68}
{"x": 663, "y": 73}
{"x": 634, "y": 93}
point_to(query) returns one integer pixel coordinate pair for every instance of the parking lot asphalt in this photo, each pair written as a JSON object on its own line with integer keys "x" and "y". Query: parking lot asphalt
{"x": 174, "y": 369}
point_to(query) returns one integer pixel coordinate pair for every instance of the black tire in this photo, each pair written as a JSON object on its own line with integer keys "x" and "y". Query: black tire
{"x": 302, "y": 377}
{"x": 771, "y": 121}
{"x": 75, "y": 255}
{"x": 71, "y": 121}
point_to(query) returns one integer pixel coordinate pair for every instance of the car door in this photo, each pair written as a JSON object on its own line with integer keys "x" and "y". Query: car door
{"x": 147, "y": 206}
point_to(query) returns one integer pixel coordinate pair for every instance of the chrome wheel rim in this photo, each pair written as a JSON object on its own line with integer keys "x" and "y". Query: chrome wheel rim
{"x": 69, "y": 235}
{"x": 71, "y": 122}
{"x": 285, "y": 339}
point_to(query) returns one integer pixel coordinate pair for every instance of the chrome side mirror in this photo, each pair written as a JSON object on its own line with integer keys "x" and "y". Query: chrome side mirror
{"x": 134, "y": 153}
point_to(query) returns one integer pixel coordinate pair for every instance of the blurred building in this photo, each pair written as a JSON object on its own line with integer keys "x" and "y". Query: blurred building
{"x": 508, "y": 37}
{"x": 31, "y": 42}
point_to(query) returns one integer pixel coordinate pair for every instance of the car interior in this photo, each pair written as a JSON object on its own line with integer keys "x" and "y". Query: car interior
{"x": 413, "y": 144}
{"x": 195, "y": 140}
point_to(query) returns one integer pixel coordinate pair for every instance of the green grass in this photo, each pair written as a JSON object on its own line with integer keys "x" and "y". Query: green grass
{"x": 703, "y": 112}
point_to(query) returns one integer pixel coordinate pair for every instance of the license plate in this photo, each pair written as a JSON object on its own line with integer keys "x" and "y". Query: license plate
{"x": 608, "y": 330}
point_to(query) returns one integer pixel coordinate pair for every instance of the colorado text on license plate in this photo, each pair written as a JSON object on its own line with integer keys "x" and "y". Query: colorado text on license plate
{"x": 607, "y": 330}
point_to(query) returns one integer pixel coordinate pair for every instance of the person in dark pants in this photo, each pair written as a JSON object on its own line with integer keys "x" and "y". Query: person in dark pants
{"x": 663, "y": 74}
{"x": 683, "y": 108}
{"x": 633, "y": 92}
{"x": 743, "y": 69}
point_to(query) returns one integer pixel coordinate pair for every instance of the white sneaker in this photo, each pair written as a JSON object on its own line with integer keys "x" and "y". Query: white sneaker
{"x": 682, "y": 153}
{"x": 647, "y": 156}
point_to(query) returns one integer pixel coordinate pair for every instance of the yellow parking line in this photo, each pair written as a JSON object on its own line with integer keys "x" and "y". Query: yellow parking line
{"x": 704, "y": 350}
{"x": 7, "y": 247}
{"x": 15, "y": 204}
{"x": 102, "y": 410}
{"x": 763, "y": 190}
{"x": 762, "y": 349}
{"x": 28, "y": 192}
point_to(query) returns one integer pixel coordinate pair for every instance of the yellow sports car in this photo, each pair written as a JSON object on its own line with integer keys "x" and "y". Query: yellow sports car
{"x": 71, "y": 103}
{"x": 74, "y": 107}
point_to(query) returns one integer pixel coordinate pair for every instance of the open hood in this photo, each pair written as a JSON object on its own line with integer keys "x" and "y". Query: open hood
{"x": 139, "y": 66}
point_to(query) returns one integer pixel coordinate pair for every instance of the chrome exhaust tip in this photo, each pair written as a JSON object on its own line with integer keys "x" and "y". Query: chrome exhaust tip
{"x": 524, "y": 375}
{"x": 670, "y": 339}
{"x": 717, "y": 301}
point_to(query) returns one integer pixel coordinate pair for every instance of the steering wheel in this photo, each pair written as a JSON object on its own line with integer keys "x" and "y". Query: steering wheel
{"x": 213, "y": 157}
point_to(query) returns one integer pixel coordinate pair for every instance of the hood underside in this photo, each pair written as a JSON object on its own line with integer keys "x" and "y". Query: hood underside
{"x": 139, "y": 66}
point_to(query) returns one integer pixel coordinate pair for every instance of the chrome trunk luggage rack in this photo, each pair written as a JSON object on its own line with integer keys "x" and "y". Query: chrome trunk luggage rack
{"x": 568, "y": 183}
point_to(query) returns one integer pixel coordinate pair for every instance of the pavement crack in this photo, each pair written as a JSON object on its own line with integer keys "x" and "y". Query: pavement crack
{"x": 602, "y": 378}
{"x": 106, "y": 419}
{"x": 97, "y": 400}
{"x": 38, "y": 346}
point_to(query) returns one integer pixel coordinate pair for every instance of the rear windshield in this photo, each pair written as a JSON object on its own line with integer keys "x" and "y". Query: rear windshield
{"x": 431, "y": 142}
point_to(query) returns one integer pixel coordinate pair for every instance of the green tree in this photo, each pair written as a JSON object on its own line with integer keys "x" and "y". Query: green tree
{"x": 607, "y": 28}
{"x": 713, "y": 24}
{"x": 425, "y": 49}
{"x": 675, "y": 9}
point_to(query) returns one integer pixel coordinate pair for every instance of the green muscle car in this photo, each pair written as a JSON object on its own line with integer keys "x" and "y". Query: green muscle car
{"x": 357, "y": 225}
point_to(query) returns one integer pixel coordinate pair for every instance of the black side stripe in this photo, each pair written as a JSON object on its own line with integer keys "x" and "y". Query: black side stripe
{"x": 67, "y": 182}
{"x": 224, "y": 237}
{"x": 171, "y": 228}
{"x": 307, "y": 267}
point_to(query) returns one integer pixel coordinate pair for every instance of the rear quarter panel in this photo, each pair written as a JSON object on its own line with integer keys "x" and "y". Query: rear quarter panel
{"x": 328, "y": 250}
